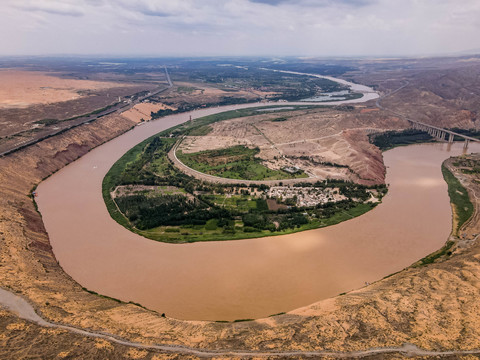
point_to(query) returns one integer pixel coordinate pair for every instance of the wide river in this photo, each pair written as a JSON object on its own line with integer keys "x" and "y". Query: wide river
{"x": 246, "y": 278}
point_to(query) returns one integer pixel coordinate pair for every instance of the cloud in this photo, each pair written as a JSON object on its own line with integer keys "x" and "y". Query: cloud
{"x": 54, "y": 7}
{"x": 314, "y": 3}
{"x": 272, "y": 2}
{"x": 240, "y": 27}
{"x": 161, "y": 8}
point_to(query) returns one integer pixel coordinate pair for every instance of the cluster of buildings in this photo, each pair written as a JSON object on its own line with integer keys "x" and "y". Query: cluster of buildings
{"x": 305, "y": 196}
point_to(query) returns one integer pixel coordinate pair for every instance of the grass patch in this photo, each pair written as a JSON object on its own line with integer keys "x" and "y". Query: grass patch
{"x": 463, "y": 207}
{"x": 186, "y": 89}
{"x": 200, "y": 131}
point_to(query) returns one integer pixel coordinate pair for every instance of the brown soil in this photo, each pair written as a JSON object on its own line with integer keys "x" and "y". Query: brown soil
{"x": 274, "y": 205}
{"x": 143, "y": 111}
{"x": 364, "y": 111}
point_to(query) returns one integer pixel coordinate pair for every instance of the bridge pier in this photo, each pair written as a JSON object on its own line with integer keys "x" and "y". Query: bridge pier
{"x": 465, "y": 144}
{"x": 450, "y": 138}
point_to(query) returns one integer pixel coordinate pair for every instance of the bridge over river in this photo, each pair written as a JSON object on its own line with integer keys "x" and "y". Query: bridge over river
{"x": 440, "y": 133}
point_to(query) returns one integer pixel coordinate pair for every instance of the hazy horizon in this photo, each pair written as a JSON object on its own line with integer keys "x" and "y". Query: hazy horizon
{"x": 253, "y": 28}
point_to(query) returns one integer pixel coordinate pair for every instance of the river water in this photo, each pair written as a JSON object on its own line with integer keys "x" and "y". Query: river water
{"x": 245, "y": 278}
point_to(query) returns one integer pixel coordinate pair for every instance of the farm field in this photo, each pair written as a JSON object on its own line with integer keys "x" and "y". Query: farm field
{"x": 237, "y": 162}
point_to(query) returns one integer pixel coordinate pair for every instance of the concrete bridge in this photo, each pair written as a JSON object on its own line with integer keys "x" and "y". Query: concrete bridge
{"x": 440, "y": 133}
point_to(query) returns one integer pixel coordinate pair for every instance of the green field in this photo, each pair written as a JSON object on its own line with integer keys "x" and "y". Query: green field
{"x": 237, "y": 162}
{"x": 242, "y": 203}
{"x": 459, "y": 198}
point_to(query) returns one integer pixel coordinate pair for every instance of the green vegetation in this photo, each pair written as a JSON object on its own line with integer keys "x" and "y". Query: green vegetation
{"x": 467, "y": 165}
{"x": 444, "y": 251}
{"x": 468, "y": 132}
{"x": 463, "y": 207}
{"x": 390, "y": 139}
{"x": 277, "y": 314}
{"x": 242, "y": 203}
{"x": 260, "y": 224}
{"x": 237, "y": 162}
{"x": 186, "y": 89}
{"x": 200, "y": 131}
{"x": 158, "y": 201}
{"x": 48, "y": 122}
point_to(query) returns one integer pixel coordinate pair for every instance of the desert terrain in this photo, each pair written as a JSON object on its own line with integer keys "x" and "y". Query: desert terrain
{"x": 434, "y": 306}
{"x": 143, "y": 112}
{"x": 35, "y": 104}
{"x": 20, "y": 89}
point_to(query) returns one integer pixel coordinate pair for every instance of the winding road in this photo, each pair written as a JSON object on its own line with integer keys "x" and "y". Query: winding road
{"x": 24, "y": 310}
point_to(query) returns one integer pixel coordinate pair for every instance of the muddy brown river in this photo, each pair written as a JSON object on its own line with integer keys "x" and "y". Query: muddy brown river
{"x": 245, "y": 278}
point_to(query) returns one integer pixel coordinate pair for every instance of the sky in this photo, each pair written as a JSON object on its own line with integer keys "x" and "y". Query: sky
{"x": 321, "y": 28}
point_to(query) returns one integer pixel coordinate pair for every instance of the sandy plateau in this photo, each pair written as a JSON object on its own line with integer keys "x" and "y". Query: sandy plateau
{"x": 24, "y": 88}
{"x": 35, "y": 104}
{"x": 142, "y": 111}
